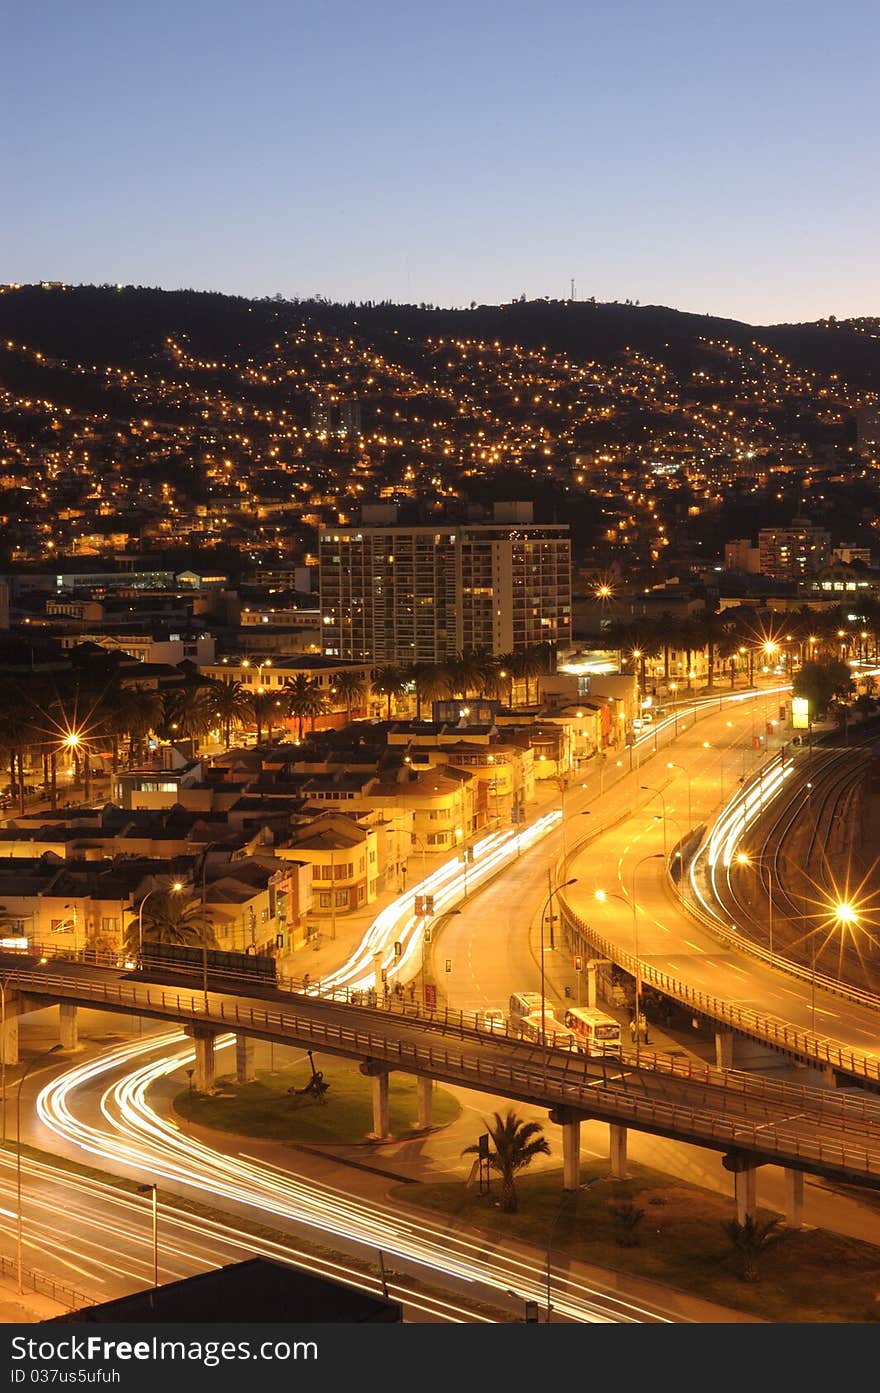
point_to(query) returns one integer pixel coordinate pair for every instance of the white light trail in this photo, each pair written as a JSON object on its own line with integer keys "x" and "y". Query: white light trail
{"x": 134, "y": 1135}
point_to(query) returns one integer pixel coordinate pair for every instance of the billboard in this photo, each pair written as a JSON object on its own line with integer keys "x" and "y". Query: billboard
{"x": 800, "y": 713}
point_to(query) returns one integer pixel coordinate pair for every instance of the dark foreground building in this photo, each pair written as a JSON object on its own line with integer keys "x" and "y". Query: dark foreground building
{"x": 255, "y": 1290}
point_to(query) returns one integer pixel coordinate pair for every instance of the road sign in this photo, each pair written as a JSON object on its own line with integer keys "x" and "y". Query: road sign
{"x": 419, "y": 904}
{"x": 448, "y": 964}
{"x": 430, "y": 996}
{"x": 429, "y": 904}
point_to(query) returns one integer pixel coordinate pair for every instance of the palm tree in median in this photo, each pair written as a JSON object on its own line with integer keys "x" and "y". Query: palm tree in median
{"x": 750, "y": 1240}
{"x": 304, "y": 700}
{"x": 516, "y": 1144}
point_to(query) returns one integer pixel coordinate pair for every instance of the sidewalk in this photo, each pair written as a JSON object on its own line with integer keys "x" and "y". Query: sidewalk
{"x": 27, "y": 1308}
{"x": 334, "y": 944}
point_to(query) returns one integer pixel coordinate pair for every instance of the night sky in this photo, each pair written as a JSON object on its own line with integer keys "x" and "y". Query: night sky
{"x": 716, "y": 158}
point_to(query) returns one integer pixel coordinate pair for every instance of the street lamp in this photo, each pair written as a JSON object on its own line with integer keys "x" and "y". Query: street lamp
{"x": 670, "y": 765}
{"x": 743, "y": 859}
{"x": 36, "y": 1060}
{"x": 602, "y": 896}
{"x": 208, "y": 847}
{"x": 176, "y": 887}
{"x": 544, "y": 908}
{"x": 646, "y": 788}
{"x": 153, "y": 1191}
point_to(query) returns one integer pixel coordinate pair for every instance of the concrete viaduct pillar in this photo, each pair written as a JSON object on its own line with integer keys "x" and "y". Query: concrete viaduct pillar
{"x": 425, "y": 1093}
{"x": 794, "y": 1198}
{"x": 68, "y": 1032}
{"x": 203, "y": 1039}
{"x": 377, "y": 1073}
{"x": 12, "y": 1009}
{"x": 618, "y": 1151}
{"x": 244, "y": 1059}
{"x": 745, "y": 1171}
{"x": 724, "y": 1049}
{"x": 591, "y": 983}
{"x": 570, "y": 1122}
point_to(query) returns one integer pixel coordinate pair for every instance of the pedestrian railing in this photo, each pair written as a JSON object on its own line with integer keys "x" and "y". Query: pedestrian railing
{"x": 46, "y": 1286}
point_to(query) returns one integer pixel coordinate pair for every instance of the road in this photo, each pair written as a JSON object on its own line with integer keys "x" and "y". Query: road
{"x": 92, "y": 1236}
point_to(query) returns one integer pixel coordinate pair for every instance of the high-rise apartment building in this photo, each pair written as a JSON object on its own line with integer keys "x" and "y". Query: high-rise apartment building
{"x": 418, "y": 594}
{"x": 790, "y": 552}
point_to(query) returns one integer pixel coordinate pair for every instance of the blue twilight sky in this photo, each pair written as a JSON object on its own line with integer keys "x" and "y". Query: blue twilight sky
{"x": 719, "y": 156}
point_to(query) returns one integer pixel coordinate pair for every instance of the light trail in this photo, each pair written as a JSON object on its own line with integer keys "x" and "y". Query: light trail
{"x": 134, "y": 1135}
{"x": 198, "y": 1243}
{"x": 397, "y": 923}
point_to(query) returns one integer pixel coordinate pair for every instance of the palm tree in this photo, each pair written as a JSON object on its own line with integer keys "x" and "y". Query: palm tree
{"x": 428, "y": 681}
{"x": 665, "y": 638}
{"x": 141, "y": 710}
{"x": 486, "y": 666}
{"x": 533, "y": 664}
{"x": 266, "y": 708}
{"x": 350, "y": 688}
{"x": 303, "y": 699}
{"x": 713, "y": 631}
{"x": 17, "y": 725}
{"x": 690, "y": 638}
{"x": 504, "y": 677}
{"x": 516, "y": 1144}
{"x": 232, "y": 705}
{"x": 169, "y": 917}
{"x": 389, "y": 682}
{"x": 190, "y": 711}
{"x": 750, "y": 1239}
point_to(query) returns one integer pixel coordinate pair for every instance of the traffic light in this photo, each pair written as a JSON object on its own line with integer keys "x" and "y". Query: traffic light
{"x": 398, "y": 949}
{"x": 427, "y": 934}
{"x": 578, "y": 963}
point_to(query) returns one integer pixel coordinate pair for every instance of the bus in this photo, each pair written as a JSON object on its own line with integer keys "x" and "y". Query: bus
{"x": 596, "y": 1032}
{"x": 524, "y": 1004}
{"x": 556, "y": 1036}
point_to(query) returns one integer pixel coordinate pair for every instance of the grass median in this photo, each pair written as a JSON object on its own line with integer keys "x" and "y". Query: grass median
{"x": 267, "y": 1107}
{"x": 803, "y": 1275}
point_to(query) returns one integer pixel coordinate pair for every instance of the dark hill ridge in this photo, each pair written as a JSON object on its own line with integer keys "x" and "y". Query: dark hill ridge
{"x": 128, "y": 327}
